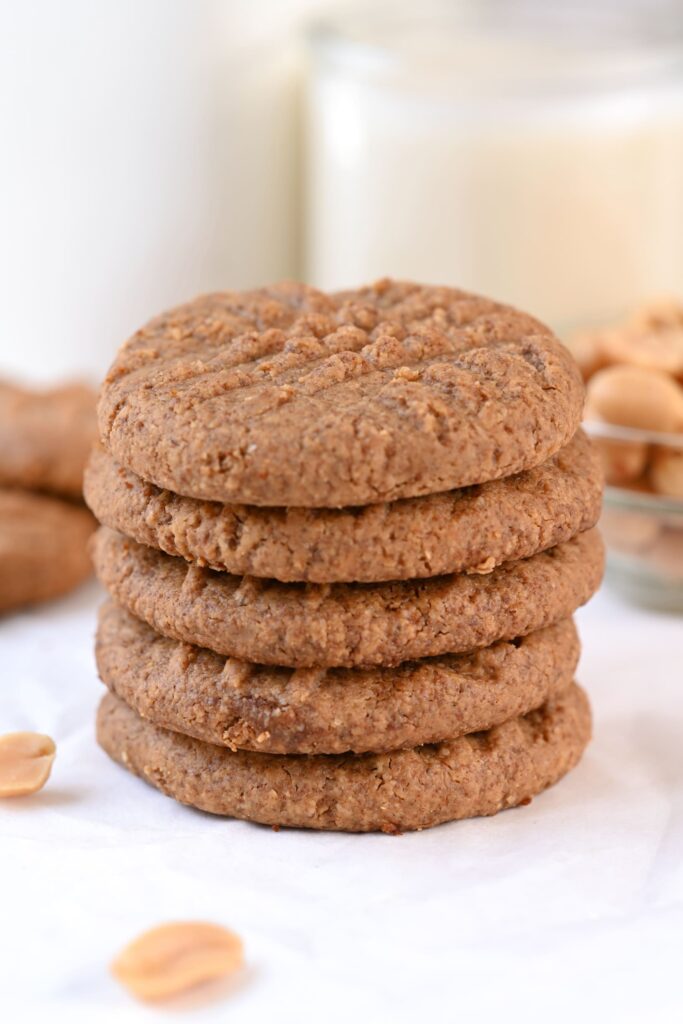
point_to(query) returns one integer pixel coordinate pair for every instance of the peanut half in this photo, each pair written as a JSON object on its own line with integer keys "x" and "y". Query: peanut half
{"x": 622, "y": 461}
{"x": 588, "y": 352}
{"x": 632, "y": 396}
{"x": 660, "y": 349}
{"x": 663, "y": 311}
{"x": 174, "y": 957}
{"x": 25, "y": 762}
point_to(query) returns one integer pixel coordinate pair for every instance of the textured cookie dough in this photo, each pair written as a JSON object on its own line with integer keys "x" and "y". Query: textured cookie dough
{"x": 482, "y": 525}
{"x": 43, "y": 547}
{"x": 287, "y": 396}
{"x": 45, "y": 437}
{"x": 479, "y": 774}
{"x": 347, "y": 624}
{"x": 318, "y": 711}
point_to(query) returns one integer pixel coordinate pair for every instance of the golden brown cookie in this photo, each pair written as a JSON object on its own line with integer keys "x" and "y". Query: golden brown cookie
{"x": 328, "y": 711}
{"x": 43, "y": 547}
{"x": 482, "y": 525}
{"x": 347, "y": 624}
{"x": 287, "y": 396}
{"x": 45, "y": 437}
{"x": 479, "y": 774}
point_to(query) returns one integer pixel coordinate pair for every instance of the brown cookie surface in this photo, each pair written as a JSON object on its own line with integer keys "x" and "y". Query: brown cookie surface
{"x": 43, "y": 547}
{"x": 479, "y": 774}
{"x": 287, "y": 396}
{"x": 45, "y": 437}
{"x": 309, "y": 711}
{"x": 346, "y": 624}
{"x": 482, "y": 525}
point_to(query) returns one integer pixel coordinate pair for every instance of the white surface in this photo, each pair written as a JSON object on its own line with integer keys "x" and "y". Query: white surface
{"x": 570, "y": 909}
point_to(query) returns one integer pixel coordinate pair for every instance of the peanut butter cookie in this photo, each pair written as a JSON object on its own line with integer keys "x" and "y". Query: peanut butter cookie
{"x": 43, "y": 547}
{"x": 45, "y": 437}
{"x": 478, "y": 774}
{"x": 287, "y": 396}
{"x": 483, "y": 525}
{"x": 329, "y": 711}
{"x": 346, "y": 624}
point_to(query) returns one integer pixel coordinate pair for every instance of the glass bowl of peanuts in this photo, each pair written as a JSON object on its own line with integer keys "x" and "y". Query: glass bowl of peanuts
{"x": 634, "y": 413}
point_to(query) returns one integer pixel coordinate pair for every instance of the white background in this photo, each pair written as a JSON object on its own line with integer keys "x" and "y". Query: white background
{"x": 570, "y": 909}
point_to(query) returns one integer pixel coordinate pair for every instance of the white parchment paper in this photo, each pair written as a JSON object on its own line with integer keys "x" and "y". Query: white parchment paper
{"x": 570, "y": 909}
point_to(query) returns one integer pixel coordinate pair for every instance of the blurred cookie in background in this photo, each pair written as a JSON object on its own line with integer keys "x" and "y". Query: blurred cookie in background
{"x": 45, "y": 437}
{"x": 43, "y": 547}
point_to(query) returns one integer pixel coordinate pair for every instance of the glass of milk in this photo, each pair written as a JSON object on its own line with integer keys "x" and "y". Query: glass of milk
{"x": 526, "y": 150}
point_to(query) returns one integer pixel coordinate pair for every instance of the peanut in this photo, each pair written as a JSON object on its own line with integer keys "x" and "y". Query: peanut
{"x": 623, "y": 461}
{"x": 666, "y": 471}
{"x": 25, "y": 762}
{"x": 660, "y": 349}
{"x": 664, "y": 311}
{"x": 588, "y": 351}
{"x": 174, "y": 957}
{"x": 631, "y": 396}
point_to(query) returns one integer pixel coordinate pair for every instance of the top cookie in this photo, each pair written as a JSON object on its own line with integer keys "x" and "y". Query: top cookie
{"x": 45, "y": 437}
{"x": 288, "y": 396}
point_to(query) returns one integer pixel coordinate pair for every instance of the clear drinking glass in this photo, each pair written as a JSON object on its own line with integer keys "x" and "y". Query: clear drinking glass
{"x": 526, "y": 150}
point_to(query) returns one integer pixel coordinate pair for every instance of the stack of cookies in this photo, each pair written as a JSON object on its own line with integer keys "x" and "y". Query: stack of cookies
{"x": 45, "y": 438}
{"x": 344, "y": 536}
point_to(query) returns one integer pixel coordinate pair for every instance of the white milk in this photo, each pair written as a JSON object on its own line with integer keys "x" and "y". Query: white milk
{"x": 545, "y": 171}
{"x": 149, "y": 152}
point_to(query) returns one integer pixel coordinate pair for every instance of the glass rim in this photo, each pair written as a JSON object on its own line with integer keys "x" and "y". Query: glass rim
{"x": 623, "y": 499}
{"x": 627, "y": 45}
{"x": 614, "y": 432}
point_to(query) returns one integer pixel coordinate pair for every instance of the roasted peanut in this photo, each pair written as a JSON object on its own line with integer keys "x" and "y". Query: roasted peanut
{"x": 664, "y": 311}
{"x": 666, "y": 471}
{"x": 588, "y": 351}
{"x": 660, "y": 349}
{"x": 25, "y": 762}
{"x": 623, "y": 461}
{"x": 177, "y": 956}
{"x": 632, "y": 396}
